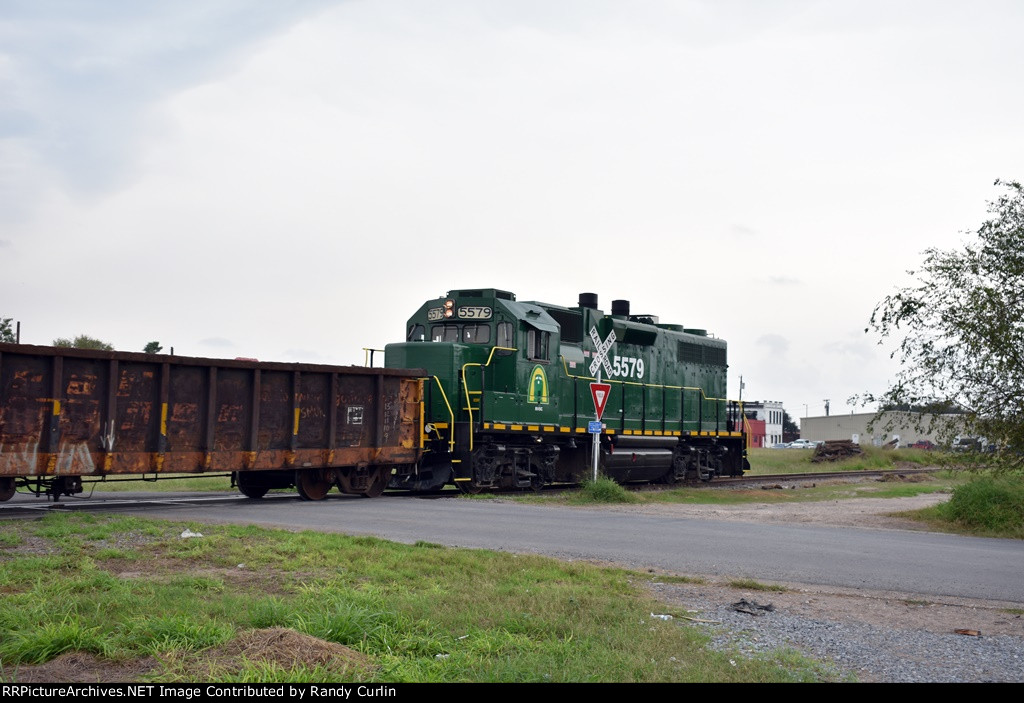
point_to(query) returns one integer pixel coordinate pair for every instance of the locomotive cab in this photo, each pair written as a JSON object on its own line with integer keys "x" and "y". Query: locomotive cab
{"x": 492, "y": 361}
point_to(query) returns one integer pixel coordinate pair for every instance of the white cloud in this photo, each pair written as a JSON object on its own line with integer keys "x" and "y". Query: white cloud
{"x": 81, "y": 78}
{"x": 300, "y": 177}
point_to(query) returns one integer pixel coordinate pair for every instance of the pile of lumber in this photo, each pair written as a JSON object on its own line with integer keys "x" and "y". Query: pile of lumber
{"x": 834, "y": 450}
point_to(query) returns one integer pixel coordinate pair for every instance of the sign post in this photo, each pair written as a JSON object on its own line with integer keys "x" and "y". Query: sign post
{"x": 599, "y": 391}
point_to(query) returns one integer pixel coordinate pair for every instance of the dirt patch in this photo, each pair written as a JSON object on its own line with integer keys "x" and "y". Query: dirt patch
{"x": 872, "y": 513}
{"x": 80, "y": 667}
{"x": 279, "y": 647}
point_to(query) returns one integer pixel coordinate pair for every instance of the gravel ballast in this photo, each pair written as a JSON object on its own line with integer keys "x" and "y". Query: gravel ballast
{"x": 858, "y": 648}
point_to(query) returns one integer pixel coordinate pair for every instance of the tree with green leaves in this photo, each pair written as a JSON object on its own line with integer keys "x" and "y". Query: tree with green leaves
{"x": 960, "y": 331}
{"x": 6, "y": 331}
{"x": 789, "y": 427}
{"x": 152, "y": 348}
{"x": 83, "y": 341}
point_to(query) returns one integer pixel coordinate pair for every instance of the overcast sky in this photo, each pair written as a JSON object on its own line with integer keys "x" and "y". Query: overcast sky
{"x": 291, "y": 180}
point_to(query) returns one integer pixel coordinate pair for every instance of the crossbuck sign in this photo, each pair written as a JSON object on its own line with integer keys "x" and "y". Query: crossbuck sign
{"x": 601, "y": 355}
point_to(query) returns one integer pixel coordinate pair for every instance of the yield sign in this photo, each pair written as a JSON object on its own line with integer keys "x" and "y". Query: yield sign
{"x": 600, "y": 392}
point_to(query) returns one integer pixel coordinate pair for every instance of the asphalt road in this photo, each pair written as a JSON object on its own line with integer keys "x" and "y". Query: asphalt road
{"x": 911, "y": 562}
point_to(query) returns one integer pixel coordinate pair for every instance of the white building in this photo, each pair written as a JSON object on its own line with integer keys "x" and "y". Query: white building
{"x": 771, "y": 412}
{"x": 905, "y": 428}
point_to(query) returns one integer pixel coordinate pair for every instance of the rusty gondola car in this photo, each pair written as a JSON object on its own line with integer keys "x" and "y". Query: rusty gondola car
{"x": 66, "y": 414}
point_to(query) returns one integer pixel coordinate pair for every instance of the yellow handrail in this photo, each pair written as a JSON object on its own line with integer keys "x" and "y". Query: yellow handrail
{"x": 746, "y": 426}
{"x": 444, "y": 397}
{"x": 465, "y": 386}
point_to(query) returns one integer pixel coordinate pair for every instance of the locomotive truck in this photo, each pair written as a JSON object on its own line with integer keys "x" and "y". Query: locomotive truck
{"x": 486, "y": 392}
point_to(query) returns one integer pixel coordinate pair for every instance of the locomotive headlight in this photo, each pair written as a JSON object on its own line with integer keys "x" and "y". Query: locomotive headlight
{"x": 449, "y": 304}
{"x": 448, "y": 312}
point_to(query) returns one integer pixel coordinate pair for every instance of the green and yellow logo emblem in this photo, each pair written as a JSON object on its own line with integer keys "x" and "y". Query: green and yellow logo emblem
{"x": 538, "y": 386}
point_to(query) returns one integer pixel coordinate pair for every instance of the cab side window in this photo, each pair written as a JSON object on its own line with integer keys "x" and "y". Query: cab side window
{"x": 537, "y": 345}
{"x": 505, "y": 338}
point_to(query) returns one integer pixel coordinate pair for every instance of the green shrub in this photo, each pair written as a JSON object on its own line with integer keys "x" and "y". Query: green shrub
{"x": 988, "y": 503}
{"x": 604, "y": 490}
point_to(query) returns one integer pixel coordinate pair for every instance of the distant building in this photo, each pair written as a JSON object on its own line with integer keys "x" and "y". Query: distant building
{"x": 906, "y": 428}
{"x": 770, "y": 412}
{"x": 755, "y": 432}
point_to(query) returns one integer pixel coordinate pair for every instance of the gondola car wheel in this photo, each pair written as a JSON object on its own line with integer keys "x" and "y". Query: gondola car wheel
{"x": 378, "y": 483}
{"x": 250, "y": 486}
{"x": 311, "y": 485}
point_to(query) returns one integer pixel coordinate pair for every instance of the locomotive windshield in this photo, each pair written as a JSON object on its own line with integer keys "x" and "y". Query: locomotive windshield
{"x": 470, "y": 334}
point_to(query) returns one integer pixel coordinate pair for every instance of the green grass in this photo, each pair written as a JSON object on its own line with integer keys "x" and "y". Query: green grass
{"x": 779, "y": 461}
{"x": 166, "y": 484}
{"x": 713, "y": 494}
{"x": 418, "y": 612}
{"x": 793, "y": 461}
{"x": 485, "y": 495}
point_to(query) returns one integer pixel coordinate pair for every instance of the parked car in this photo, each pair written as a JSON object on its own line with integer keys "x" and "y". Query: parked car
{"x": 803, "y": 444}
{"x": 973, "y": 444}
{"x": 923, "y": 444}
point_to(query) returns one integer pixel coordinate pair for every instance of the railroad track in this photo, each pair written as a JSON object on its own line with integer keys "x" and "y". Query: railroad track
{"x": 811, "y": 476}
{"x": 26, "y": 506}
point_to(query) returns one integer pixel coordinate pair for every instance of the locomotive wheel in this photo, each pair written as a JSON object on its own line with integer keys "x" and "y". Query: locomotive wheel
{"x": 250, "y": 486}
{"x": 311, "y": 485}
{"x": 468, "y": 487}
{"x": 378, "y": 483}
{"x": 6, "y": 489}
{"x": 536, "y": 482}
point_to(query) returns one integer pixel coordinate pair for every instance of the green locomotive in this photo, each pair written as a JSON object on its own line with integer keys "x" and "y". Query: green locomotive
{"x": 507, "y": 398}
